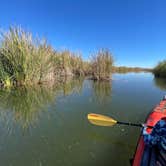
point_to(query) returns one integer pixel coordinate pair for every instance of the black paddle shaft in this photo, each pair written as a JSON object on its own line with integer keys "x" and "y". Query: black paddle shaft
{"x": 133, "y": 124}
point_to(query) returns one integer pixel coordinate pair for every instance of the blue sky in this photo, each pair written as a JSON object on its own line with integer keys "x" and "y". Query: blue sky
{"x": 134, "y": 30}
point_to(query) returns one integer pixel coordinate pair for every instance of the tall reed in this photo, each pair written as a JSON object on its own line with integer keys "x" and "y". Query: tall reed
{"x": 101, "y": 64}
{"x": 68, "y": 63}
{"x": 24, "y": 59}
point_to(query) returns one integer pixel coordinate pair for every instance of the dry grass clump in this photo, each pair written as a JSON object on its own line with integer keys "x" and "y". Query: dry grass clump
{"x": 101, "y": 64}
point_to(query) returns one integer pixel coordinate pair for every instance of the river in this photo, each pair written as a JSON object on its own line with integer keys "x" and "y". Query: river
{"x": 48, "y": 126}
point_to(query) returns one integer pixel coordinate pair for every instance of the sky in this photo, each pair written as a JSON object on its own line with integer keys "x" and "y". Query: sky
{"x": 133, "y": 30}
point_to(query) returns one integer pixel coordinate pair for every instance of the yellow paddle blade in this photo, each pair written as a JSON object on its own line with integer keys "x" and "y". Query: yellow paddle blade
{"x": 101, "y": 120}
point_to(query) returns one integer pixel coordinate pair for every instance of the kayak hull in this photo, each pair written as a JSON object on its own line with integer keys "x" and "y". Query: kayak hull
{"x": 158, "y": 113}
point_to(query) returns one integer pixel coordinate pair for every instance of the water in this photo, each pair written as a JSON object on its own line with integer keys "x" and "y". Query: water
{"x": 47, "y": 126}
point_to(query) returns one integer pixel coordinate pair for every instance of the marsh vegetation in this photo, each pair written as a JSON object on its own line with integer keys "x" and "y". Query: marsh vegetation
{"x": 101, "y": 65}
{"x": 25, "y": 59}
{"x": 29, "y": 60}
{"x": 160, "y": 69}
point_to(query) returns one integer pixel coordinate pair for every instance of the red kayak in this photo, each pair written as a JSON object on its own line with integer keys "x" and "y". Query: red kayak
{"x": 144, "y": 156}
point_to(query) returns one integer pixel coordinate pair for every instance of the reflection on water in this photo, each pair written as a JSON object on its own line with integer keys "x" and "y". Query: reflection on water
{"x": 160, "y": 82}
{"x": 26, "y": 103}
{"x": 102, "y": 90}
{"x": 72, "y": 85}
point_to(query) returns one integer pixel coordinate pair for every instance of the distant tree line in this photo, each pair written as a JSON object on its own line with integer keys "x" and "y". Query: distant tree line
{"x": 124, "y": 69}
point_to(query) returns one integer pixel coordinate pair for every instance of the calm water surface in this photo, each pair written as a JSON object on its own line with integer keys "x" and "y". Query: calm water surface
{"x": 47, "y": 126}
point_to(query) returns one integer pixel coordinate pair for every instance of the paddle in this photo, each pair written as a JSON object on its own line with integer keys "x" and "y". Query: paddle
{"x": 102, "y": 120}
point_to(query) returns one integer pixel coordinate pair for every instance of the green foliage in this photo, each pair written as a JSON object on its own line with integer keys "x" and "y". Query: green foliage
{"x": 160, "y": 69}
